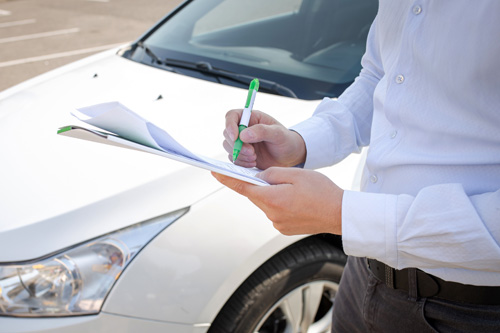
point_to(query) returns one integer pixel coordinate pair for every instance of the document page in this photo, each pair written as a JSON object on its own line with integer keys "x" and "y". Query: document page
{"x": 126, "y": 124}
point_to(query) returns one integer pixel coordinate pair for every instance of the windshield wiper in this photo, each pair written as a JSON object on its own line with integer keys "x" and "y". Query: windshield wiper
{"x": 206, "y": 67}
{"x": 154, "y": 57}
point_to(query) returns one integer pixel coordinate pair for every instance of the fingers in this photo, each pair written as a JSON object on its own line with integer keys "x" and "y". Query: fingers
{"x": 264, "y": 140}
{"x": 261, "y": 128}
{"x": 247, "y": 157}
{"x": 232, "y": 121}
{"x": 298, "y": 201}
{"x": 241, "y": 162}
{"x": 228, "y": 147}
{"x": 247, "y": 150}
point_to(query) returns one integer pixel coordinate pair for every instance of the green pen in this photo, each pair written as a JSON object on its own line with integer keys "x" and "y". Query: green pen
{"x": 245, "y": 116}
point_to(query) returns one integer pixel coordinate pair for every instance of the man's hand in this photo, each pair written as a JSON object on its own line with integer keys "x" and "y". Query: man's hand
{"x": 298, "y": 201}
{"x": 266, "y": 142}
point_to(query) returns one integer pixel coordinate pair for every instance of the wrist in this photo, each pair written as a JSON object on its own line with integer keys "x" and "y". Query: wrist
{"x": 299, "y": 152}
{"x": 338, "y": 214}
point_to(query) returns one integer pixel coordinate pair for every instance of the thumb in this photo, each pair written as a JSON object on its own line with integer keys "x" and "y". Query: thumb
{"x": 261, "y": 132}
{"x": 236, "y": 185}
{"x": 278, "y": 175}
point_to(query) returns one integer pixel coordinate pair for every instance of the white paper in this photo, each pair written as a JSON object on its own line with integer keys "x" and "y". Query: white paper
{"x": 118, "y": 119}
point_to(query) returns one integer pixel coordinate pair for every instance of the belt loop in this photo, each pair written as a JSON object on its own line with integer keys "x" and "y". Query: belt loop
{"x": 389, "y": 276}
{"x": 412, "y": 284}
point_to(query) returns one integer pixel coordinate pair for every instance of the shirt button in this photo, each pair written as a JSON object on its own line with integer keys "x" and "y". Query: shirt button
{"x": 400, "y": 79}
{"x": 417, "y": 10}
{"x": 374, "y": 178}
{"x": 394, "y": 134}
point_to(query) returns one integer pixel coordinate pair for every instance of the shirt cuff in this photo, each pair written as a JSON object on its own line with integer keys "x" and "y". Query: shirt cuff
{"x": 318, "y": 136}
{"x": 369, "y": 226}
{"x": 308, "y": 130}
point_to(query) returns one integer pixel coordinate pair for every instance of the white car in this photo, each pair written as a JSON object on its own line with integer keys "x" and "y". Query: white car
{"x": 95, "y": 238}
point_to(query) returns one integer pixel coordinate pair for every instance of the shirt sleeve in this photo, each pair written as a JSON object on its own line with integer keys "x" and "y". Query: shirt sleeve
{"x": 441, "y": 231}
{"x": 342, "y": 126}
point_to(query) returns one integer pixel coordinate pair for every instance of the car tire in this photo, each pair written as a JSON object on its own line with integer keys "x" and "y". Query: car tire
{"x": 292, "y": 292}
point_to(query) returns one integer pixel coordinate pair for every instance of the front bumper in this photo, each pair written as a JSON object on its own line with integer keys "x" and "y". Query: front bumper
{"x": 103, "y": 322}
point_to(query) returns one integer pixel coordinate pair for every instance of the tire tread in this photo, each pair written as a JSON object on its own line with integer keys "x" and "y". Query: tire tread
{"x": 305, "y": 251}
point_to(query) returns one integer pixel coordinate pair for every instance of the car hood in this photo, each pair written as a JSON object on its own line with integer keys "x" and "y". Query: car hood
{"x": 57, "y": 191}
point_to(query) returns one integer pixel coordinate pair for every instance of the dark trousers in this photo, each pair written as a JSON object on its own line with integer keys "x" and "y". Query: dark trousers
{"x": 366, "y": 304}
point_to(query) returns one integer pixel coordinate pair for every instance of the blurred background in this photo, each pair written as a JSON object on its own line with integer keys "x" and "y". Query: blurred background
{"x": 39, "y": 35}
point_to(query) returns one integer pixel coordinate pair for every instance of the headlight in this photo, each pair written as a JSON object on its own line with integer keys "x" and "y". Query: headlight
{"x": 76, "y": 280}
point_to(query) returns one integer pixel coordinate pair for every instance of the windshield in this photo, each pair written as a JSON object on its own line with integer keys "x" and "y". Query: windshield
{"x": 313, "y": 47}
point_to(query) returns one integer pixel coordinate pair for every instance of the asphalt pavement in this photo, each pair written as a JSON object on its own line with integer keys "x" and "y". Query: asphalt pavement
{"x": 39, "y": 35}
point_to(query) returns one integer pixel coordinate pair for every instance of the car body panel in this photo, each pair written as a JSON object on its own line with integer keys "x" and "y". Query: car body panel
{"x": 199, "y": 268}
{"x": 53, "y": 183}
{"x": 57, "y": 192}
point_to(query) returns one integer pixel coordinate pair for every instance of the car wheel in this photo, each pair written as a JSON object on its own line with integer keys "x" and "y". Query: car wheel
{"x": 293, "y": 292}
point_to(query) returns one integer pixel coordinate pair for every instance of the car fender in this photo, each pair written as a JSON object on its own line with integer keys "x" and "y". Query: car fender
{"x": 188, "y": 272}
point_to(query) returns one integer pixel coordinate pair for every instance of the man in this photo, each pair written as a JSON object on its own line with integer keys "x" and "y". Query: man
{"x": 427, "y": 101}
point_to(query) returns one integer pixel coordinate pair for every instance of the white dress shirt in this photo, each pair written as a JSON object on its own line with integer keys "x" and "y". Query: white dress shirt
{"x": 427, "y": 102}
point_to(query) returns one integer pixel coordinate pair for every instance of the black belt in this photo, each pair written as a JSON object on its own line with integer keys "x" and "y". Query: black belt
{"x": 432, "y": 286}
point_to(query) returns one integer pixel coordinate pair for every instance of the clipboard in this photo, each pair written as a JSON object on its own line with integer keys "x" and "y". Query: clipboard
{"x": 225, "y": 168}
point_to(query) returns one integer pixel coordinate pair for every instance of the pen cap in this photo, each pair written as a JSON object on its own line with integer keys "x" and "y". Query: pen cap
{"x": 252, "y": 90}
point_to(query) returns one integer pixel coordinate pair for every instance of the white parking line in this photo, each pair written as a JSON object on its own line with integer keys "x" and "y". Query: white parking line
{"x": 59, "y": 55}
{"x": 4, "y": 12}
{"x": 15, "y": 23}
{"x": 39, "y": 35}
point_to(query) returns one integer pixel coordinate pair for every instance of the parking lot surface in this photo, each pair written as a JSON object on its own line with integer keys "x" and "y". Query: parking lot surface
{"x": 39, "y": 35}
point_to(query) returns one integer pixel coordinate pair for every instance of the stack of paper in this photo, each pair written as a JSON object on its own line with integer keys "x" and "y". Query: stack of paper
{"x": 129, "y": 130}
